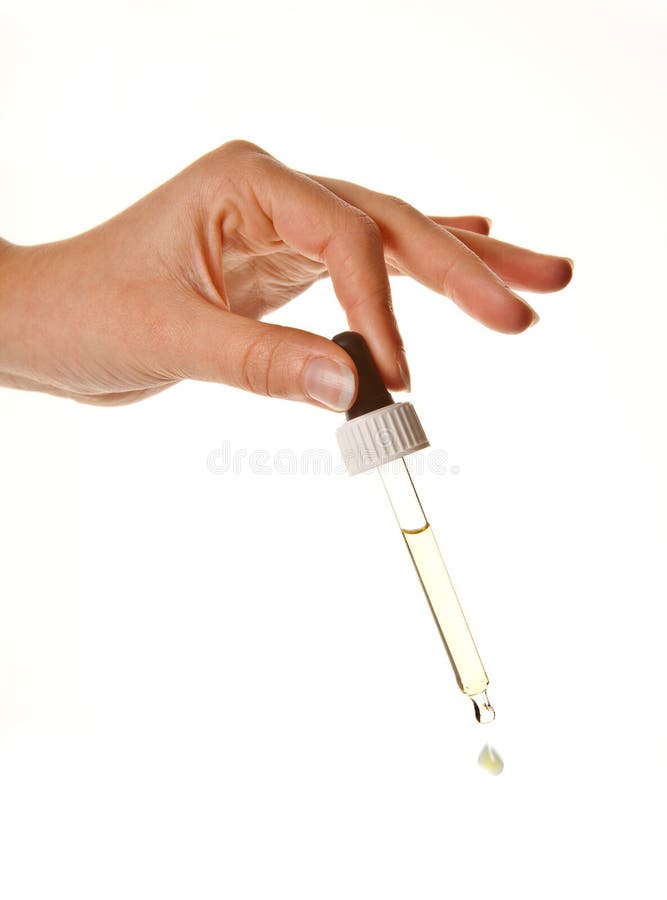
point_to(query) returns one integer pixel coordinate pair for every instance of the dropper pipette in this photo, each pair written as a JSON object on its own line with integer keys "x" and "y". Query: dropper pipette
{"x": 470, "y": 674}
{"x": 379, "y": 433}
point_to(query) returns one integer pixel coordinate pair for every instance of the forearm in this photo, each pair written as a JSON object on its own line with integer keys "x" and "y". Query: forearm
{"x": 14, "y": 315}
{"x": 76, "y": 320}
{"x": 30, "y": 279}
{"x": 11, "y": 337}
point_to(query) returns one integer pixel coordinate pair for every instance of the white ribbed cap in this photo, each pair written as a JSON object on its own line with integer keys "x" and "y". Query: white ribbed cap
{"x": 380, "y": 436}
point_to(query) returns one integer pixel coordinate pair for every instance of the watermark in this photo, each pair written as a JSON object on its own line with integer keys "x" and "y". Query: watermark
{"x": 229, "y": 460}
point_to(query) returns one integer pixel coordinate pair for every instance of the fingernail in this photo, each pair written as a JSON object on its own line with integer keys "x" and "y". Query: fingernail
{"x": 403, "y": 369}
{"x": 489, "y": 222}
{"x": 329, "y": 383}
{"x": 535, "y": 318}
{"x": 568, "y": 276}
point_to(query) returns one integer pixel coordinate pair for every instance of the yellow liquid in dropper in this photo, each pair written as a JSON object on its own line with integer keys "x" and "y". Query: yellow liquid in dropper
{"x": 468, "y": 669}
{"x": 440, "y": 593}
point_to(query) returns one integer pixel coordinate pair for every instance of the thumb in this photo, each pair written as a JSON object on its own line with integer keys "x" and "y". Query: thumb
{"x": 217, "y": 345}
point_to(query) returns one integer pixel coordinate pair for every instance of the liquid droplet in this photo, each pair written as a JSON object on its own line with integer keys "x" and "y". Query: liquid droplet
{"x": 484, "y": 712}
{"x": 490, "y": 760}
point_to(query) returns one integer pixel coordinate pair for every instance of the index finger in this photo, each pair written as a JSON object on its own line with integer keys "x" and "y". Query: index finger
{"x": 325, "y": 227}
{"x": 431, "y": 254}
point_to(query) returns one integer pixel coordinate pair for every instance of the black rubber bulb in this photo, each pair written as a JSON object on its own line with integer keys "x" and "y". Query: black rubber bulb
{"x": 372, "y": 393}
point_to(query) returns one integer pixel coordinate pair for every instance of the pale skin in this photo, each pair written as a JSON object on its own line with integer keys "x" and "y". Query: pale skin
{"x": 175, "y": 286}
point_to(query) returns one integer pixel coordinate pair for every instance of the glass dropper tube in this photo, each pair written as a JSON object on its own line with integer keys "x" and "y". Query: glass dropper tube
{"x": 454, "y": 631}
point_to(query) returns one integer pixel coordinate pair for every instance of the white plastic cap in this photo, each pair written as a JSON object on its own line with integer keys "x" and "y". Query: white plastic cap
{"x": 380, "y": 436}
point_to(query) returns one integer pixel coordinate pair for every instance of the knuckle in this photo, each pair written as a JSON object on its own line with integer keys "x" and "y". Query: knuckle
{"x": 402, "y": 208}
{"x": 257, "y": 365}
{"x": 231, "y": 159}
{"x": 240, "y": 148}
{"x": 365, "y": 230}
{"x": 449, "y": 275}
{"x": 399, "y": 203}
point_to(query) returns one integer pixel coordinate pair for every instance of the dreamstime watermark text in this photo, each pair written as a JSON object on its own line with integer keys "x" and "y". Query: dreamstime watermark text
{"x": 228, "y": 460}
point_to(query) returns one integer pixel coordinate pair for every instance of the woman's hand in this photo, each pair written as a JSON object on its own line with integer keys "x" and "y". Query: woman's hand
{"x": 174, "y": 287}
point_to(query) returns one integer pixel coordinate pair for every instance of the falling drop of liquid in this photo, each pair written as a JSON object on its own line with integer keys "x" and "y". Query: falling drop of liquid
{"x": 490, "y": 760}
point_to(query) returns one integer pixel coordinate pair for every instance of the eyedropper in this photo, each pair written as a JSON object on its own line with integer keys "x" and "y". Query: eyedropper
{"x": 379, "y": 433}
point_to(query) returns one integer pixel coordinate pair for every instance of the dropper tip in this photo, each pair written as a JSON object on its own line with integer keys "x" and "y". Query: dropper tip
{"x": 484, "y": 712}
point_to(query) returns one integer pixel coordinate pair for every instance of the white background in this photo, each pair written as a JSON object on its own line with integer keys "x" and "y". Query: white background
{"x": 229, "y": 685}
